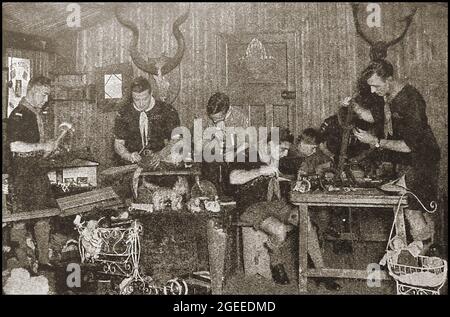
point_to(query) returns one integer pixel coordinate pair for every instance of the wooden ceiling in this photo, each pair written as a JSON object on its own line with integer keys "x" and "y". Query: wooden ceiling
{"x": 49, "y": 19}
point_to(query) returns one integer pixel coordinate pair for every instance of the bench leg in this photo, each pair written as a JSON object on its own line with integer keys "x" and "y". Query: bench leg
{"x": 303, "y": 248}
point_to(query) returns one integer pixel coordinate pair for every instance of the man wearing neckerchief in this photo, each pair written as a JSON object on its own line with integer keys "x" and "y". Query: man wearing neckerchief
{"x": 30, "y": 185}
{"x": 408, "y": 142}
{"x": 143, "y": 127}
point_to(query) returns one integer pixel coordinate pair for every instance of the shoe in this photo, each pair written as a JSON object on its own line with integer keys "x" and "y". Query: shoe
{"x": 279, "y": 274}
{"x": 329, "y": 284}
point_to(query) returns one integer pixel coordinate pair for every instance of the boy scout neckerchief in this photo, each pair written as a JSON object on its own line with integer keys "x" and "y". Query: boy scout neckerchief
{"x": 36, "y": 112}
{"x": 388, "y": 129}
{"x": 143, "y": 121}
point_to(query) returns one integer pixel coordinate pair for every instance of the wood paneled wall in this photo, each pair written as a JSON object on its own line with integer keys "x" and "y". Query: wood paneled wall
{"x": 329, "y": 54}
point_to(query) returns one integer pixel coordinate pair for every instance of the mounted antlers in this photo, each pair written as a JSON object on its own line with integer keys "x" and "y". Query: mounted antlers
{"x": 163, "y": 64}
{"x": 378, "y": 50}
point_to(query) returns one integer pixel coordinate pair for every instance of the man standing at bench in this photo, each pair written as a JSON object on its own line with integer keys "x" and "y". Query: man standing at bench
{"x": 408, "y": 142}
{"x": 30, "y": 185}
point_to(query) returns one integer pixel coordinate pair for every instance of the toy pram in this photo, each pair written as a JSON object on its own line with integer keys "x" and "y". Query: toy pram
{"x": 117, "y": 249}
{"x": 425, "y": 278}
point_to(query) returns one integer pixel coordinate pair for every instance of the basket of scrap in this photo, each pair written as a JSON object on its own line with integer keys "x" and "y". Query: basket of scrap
{"x": 425, "y": 278}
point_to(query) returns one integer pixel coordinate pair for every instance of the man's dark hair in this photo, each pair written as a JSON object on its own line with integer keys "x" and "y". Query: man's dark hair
{"x": 312, "y": 134}
{"x": 382, "y": 68}
{"x": 219, "y": 102}
{"x": 140, "y": 84}
{"x": 39, "y": 81}
{"x": 284, "y": 135}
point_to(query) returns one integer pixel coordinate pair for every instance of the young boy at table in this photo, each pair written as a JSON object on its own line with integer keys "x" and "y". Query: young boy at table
{"x": 314, "y": 162}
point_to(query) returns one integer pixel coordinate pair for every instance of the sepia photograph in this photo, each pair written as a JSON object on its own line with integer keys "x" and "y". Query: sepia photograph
{"x": 229, "y": 148}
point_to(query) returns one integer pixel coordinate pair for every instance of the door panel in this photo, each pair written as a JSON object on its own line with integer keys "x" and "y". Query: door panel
{"x": 254, "y": 70}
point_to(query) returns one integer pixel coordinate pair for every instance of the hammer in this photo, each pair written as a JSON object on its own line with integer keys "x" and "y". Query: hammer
{"x": 65, "y": 127}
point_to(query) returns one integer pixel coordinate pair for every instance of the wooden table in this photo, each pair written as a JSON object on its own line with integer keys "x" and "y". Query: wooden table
{"x": 362, "y": 198}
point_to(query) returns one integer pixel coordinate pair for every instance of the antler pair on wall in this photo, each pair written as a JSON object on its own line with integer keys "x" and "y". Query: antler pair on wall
{"x": 378, "y": 49}
{"x": 158, "y": 66}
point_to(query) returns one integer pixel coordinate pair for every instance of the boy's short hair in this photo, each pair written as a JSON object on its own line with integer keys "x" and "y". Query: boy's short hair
{"x": 311, "y": 135}
{"x": 140, "y": 84}
{"x": 39, "y": 81}
{"x": 219, "y": 102}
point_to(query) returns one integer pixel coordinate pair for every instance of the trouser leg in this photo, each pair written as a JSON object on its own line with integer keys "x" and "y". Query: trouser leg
{"x": 421, "y": 224}
{"x": 281, "y": 249}
{"x": 19, "y": 238}
{"x": 42, "y": 233}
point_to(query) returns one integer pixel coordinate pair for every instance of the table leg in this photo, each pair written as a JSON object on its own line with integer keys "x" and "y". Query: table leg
{"x": 303, "y": 248}
{"x": 400, "y": 223}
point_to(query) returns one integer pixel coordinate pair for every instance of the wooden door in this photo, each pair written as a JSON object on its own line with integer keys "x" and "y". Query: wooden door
{"x": 257, "y": 71}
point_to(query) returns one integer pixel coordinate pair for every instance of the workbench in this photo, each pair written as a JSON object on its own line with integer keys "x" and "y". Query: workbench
{"x": 361, "y": 198}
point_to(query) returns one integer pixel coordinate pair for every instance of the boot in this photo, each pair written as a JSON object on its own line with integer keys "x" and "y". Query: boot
{"x": 279, "y": 274}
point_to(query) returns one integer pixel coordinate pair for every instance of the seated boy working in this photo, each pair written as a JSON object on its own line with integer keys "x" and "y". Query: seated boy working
{"x": 260, "y": 195}
{"x": 315, "y": 161}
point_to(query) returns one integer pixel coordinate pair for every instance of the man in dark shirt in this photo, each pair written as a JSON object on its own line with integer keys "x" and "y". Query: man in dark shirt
{"x": 408, "y": 141}
{"x": 30, "y": 185}
{"x": 142, "y": 128}
{"x": 145, "y": 123}
{"x": 263, "y": 199}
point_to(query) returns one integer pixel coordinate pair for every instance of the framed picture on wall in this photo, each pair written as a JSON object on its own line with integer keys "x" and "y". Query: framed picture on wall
{"x": 113, "y": 86}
